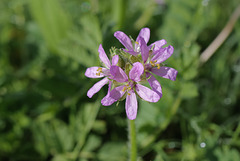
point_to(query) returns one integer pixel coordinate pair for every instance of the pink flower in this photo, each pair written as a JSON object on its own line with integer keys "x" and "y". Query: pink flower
{"x": 152, "y": 56}
{"x": 134, "y": 48}
{"x": 127, "y": 43}
{"x": 99, "y": 72}
{"x": 152, "y": 60}
{"x": 130, "y": 85}
{"x": 126, "y": 82}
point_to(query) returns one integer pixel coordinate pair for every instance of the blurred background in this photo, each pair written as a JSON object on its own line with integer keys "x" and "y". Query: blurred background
{"x": 46, "y": 46}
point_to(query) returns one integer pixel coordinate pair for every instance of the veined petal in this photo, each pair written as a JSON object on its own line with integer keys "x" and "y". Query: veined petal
{"x": 158, "y": 45}
{"x": 103, "y": 56}
{"x": 117, "y": 92}
{"x": 132, "y": 52}
{"x": 145, "y": 34}
{"x": 115, "y": 59}
{"x": 131, "y": 105}
{"x": 158, "y": 53}
{"x": 144, "y": 49}
{"x": 155, "y": 85}
{"x": 93, "y": 72}
{"x": 107, "y": 100}
{"x": 136, "y": 72}
{"x": 118, "y": 74}
{"x": 146, "y": 93}
{"x": 165, "y": 72}
{"x": 124, "y": 39}
{"x": 96, "y": 87}
{"x": 163, "y": 55}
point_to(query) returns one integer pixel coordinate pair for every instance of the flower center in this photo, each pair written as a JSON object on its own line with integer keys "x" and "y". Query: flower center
{"x": 127, "y": 88}
{"x": 99, "y": 71}
{"x": 153, "y": 63}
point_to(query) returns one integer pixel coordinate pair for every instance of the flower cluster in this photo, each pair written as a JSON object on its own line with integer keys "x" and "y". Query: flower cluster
{"x": 129, "y": 68}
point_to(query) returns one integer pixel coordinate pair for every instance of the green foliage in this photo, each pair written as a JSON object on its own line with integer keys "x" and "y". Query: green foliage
{"x": 46, "y": 46}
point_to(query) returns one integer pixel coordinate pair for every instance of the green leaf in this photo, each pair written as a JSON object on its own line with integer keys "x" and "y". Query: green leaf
{"x": 53, "y": 21}
{"x": 114, "y": 151}
{"x": 92, "y": 143}
{"x": 190, "y": 60}
{"x": 91, "y": 25}
{"x": 227, "y": 154}
{"x": 60, "y": 157}
{"x": 188, "y": 90}
{"x": 54, "y": 138}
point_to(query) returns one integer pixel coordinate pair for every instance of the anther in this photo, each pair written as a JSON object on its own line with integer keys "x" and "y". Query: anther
{"x": 158, "y": 66}
{"x": 152, "y": 63}
{"x": 124, "y": 89}
{"x": 137, "y": 42}
{"x": 99, "y": 71}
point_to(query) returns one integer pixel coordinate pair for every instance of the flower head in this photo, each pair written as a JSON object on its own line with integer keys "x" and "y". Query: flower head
{"x": 99, "y": 72}
{"x": 125, "y": 77}
{"x": 152, "y": 59}
{"x": 128, "y": 88}
{"x": 133, "y": 47}
{"x": 152, "y": 56}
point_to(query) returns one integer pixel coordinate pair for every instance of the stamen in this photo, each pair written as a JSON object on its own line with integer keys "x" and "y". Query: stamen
{"x": 129, "y": 94}
{"x": 99, "y": 71}
{"x": 124, "y": 89}
{"x": 152, "y": 63}
{"x": 137, "y": 42}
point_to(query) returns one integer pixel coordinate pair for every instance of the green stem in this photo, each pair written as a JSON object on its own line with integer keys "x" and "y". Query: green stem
{"x": 132, "y": 139}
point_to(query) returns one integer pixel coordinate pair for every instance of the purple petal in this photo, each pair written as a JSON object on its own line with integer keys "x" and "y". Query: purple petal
{"x": 115, "y": 59}
{"x": 107, "y": 100}
{"x": 158, "y": 45}
{"x": 124, "y": 39}
{"x": 93, "y": 73}
{"x": 131, "y": 105}
{"x": 103, "y": 56}
{"x": 132, "y": 52}
{"x": 118, "y": 74}
{"x": 163, "y": 54}
{"x": 136, "y": 72}
{"x": 165, "y": 72}
{"x": 145, "y": 34}
{"x": 158, "y": 54}
{"x": 144, "y": 49}
{"x": 117, "y": 93}
{"x": 96, "y": 87}
{"x": 155, "y": 85}
{"x": 146, "y": 93}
